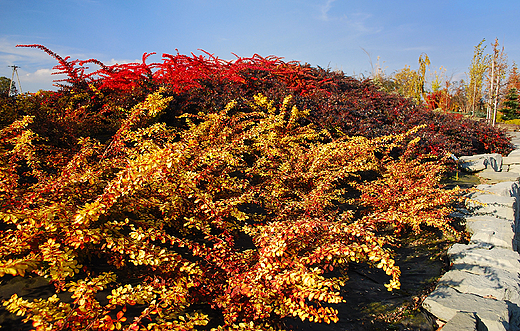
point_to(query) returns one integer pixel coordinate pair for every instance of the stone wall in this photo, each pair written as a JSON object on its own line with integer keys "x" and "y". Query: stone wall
{"x": 481, "y": 291}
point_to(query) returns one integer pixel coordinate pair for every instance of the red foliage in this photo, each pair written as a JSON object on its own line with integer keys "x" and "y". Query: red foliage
{"x": 210, "y": 186}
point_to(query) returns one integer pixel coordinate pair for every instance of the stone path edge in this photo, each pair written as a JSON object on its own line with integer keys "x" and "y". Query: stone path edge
{"x": 481, "y": 291}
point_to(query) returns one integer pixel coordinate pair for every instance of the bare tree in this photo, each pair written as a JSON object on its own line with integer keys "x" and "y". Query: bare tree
{"x": 496, "y": 80}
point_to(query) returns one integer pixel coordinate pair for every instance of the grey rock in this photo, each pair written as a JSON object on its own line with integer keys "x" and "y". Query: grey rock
{"x": 513, "y": 168}
{"x": 513, "y": 159}
{"x": 515, "y": 152}
{"x": 502, "y": 206}
{"x": 503, "y": 286}
{"x": 485, "y": 270}
{"x": 499, "y": 211}
{"x": 491, "y": 230}
{"x": 490, "y": 218}
{"x": 445, "y": 302}
{"x": 493, "y": 199}
{"x": 475, "y": 254}
{"x": 506, "y": 189}
{"x": 493, "y": 177}
{"x": 473, "y": 165}
{"x": 462, "y": 321}
{"x": 480, "y": 162}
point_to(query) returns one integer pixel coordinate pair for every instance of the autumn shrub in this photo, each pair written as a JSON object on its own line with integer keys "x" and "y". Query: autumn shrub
{"x": 338, "y": 103}
{"x": 8, "y": 112}
{"x": 241, "y": 215}
{"x": 198, "y": 193}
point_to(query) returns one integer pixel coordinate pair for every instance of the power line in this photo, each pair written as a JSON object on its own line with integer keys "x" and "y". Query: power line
{"x": 15, "y": 70}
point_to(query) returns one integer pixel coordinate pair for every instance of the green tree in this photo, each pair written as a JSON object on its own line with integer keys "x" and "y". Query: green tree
{"x": 4, "y": 87}
{"x": 511, "y": 105}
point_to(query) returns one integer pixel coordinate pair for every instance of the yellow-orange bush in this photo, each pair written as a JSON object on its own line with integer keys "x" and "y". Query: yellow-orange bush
{"x": 239, "y": 213}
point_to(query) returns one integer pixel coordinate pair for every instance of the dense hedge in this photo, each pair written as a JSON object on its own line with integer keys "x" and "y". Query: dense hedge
{"x": 200, "y": 193}
{"x": 341, "y": 104}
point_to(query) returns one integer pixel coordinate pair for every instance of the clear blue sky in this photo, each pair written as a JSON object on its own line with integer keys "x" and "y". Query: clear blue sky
{"x": 326, "y": 33}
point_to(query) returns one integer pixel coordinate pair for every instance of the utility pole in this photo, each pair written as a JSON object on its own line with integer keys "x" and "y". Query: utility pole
{"x": 15, "y": 67}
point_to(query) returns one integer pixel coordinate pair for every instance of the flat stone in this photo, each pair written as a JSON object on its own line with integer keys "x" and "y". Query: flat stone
{"x": 493, "y": 199}
{"x": 499, "y": 211}
{"x": 481, "y": 203}
{"x": 485, "y": 270}
{"x": 513, "y": 159}
{"x": 445, "y": 302}
{"x": 506, "y": 189}
{"x": 515, "y": 152}
{"x": 491, "y": 230}
{"x": 476, "y": 254}
{"x": 462, "y": 321}
{"x": 490, "y": 218}
{"x": 474, "y": 163}
{"x": 493, "y": 177}
{"x": 496, "y": 238}
{"x": 493, "y": 285}
{"x": 513, "y": 168}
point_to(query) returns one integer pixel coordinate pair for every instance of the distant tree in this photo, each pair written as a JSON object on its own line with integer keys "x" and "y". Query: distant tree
{"x": 477, "y": 71}
{"x": 412, "y": 82}
{"x": 378, "y": 76}
{"x": 4, "y": 87}
{"x": 438, "y": 79}
{"x": 511, "y": 105}
{"x": 497, "y": 71}
{"x": 459, "y": 96}
{"x": 513, "y": 79}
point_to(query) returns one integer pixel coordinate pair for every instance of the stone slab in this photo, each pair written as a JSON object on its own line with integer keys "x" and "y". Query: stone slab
{"x": 474, "y": 163}
{"x": 503, "y": 207}
{"x": 513, "y": 168}
{"x": 490, "y": 218}
{"x": 493, "y": 199}
{"x": 491, "y": 230}
{"x": 506, "y": 189}
{"x": 474, "y": 254}
{"x": 485, "y": 270}
{"x": 493, "y": 177}
{"x": 503, "y": 286}
{"x": 514, "y": 152}
{"x": 499, "y": 211}
{"x": 462, "y": 321}
{"x": 445, "y": 302}
{"x": 513, "y": 159}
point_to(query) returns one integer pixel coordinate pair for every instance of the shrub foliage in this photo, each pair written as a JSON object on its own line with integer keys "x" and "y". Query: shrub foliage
{"x": 200, "y": 193}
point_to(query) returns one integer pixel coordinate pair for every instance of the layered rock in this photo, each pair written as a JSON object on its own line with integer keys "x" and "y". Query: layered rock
{"x": 481, "y": 291}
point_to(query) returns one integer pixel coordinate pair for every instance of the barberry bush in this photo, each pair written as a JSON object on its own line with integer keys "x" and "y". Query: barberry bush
{"x": 203, "y": 194}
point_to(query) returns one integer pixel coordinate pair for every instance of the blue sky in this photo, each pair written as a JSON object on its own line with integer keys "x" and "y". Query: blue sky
{"x": 328, "y": 33}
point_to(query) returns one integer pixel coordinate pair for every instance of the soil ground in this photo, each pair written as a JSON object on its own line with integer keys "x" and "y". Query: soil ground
{"x": 369, "y": 306}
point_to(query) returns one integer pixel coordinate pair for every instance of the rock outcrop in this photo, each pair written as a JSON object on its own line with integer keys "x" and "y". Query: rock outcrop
{"x": 481, "y": 291}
